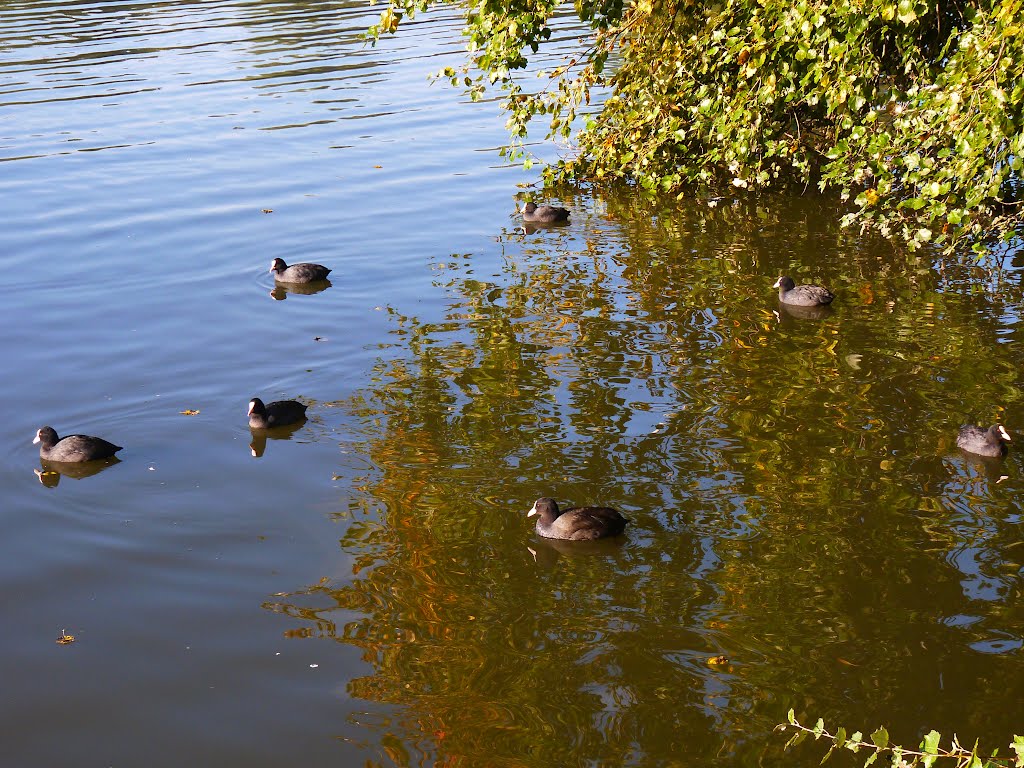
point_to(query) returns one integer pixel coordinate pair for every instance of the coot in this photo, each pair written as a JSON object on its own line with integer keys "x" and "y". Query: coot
{"x": 577, "y": 523}
{"x": 298, "y": 273}
{"x": 802, "y": 295}
{"x": 984, "y": 442}
{"x": 545, "y": 214}
{"x": 73, "y": 447}
{"x": 275, "y": 414}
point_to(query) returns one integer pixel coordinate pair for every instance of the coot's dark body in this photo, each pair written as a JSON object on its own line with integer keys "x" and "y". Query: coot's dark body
{"x": 577, "y": 523}
{"x": 545, "y": 214}
{"x": 72, "y": 448}
{"x": 984, "y": 442}
{"x": 298, "y": 273}
{"x": 276, "y": 414}
{"x": 802, "y": 295}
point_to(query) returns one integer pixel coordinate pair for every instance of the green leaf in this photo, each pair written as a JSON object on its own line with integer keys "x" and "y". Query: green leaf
{"x": 1018, "y": 747}
{"x": 798, "y": 737}
{"x": 880, "y": 738}
{"x": 930, "y": 747}
{"x": 907, "y": 13}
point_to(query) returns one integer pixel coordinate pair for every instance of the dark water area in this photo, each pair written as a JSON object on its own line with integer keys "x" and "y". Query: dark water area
{"x": 364, "y": 588}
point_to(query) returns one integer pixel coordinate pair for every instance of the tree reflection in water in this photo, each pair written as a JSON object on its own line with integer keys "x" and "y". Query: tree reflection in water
{"x": 792, "y": 506}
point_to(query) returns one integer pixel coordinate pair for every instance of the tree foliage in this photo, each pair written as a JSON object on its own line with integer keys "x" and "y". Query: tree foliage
{"x": 910, "y": 109}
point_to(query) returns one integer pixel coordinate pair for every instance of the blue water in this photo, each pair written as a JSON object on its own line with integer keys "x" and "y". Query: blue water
{"x": 365, "y": 589}
{"x": 142, "y": 143}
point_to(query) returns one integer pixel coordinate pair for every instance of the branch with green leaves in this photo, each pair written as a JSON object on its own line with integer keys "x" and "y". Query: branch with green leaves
{"x": 878, "y": 745}
{"x": 910, "y": 111}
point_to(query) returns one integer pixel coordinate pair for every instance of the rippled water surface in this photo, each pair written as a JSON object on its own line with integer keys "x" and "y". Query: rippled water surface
{"x": 365, "y": 589}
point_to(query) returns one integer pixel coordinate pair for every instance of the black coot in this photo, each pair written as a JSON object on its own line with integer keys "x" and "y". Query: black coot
{"x": 545, "y": 214}
{"x": 802, "y": 295}
{"x": 275, "y": 414}
{"x": 577, "y": 523}
{"x": 984, "y": 442}
{"x": 298, "y": 273}
{"x": 72, "y": 448}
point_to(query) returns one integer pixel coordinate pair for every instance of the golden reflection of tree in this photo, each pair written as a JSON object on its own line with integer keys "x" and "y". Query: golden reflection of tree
{"x": 773, "y": 467}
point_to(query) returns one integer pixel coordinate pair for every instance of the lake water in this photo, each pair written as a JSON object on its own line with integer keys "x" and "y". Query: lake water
{"x": 365, "y": 589}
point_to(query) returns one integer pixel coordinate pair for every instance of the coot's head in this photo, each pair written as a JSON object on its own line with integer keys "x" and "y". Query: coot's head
{"x": 544, "y": 507}
{"x": 278, "y": 265}
{"x": 530, "y": 207}
{"x": 998, "y": 432}
{"x": 785, "y": 283}
{"x": 47, "y": 436}
{"x": 256, "y": 406}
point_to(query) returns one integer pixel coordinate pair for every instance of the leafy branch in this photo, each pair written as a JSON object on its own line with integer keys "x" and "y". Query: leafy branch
{"x": 910, "y": 111}
{"x": 878, "y": 744}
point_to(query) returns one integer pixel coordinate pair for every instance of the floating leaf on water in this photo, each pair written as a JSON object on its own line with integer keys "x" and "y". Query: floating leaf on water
{"x": 717, "y": 661}
{"x": 65, "y": 638}
{"x": 853, "y": 360}
{"x": 190, "y": 412}
{"x": 268, "y": 210}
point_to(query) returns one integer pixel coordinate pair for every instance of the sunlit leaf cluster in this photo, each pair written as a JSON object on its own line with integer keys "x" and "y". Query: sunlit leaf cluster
{"x": 911, "y": 110}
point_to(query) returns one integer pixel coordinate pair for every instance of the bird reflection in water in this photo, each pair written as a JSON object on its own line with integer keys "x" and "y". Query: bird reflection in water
{"x": 258, "y": 444}
{"x": 281, "y": 290}
{"x": 547, "y": 552}
{"x": 52, "y": 471}
{"x": 798, "y": 312}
